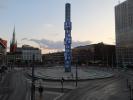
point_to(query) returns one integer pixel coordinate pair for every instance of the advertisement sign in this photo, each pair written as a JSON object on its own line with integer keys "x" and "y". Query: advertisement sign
{"x": 3, "y": 43}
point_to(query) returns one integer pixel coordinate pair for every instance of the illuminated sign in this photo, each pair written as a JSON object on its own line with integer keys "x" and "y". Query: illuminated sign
{"x": 68, "y": 39}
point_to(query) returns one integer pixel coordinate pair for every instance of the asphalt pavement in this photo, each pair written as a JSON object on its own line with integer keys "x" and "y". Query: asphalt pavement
{"x": 16, "y": 87}
{"x": 107, "y": 89}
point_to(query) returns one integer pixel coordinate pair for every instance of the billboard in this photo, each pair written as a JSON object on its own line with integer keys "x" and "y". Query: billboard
{"x": 3, "y": 43}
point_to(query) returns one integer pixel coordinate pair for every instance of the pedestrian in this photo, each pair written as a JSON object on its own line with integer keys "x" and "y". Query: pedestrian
{"x": 40, "y": 89}
{"x": 72, "y": 75}
{"x": 62, "y": 80}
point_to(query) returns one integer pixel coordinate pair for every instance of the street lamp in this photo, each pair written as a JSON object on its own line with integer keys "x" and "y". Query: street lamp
{"x": 33, "y": 81}
{"x": 112, "y": 61}
{"x": 77, "y": 72}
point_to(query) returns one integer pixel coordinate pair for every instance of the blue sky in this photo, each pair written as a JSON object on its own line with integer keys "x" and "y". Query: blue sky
{"x": 93, "y": 20}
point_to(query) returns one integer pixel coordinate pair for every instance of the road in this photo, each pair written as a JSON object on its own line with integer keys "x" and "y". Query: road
{"x": 107, "y": 89}
{"x": 14, "y": 87}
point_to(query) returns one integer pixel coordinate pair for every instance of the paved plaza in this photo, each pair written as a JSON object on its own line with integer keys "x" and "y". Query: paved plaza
{"x": 57, "y": 73}
{"x": 17, "y": 86}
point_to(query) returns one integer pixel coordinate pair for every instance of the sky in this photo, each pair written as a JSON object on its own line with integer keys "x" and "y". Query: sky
{"x": 40, "y": 23}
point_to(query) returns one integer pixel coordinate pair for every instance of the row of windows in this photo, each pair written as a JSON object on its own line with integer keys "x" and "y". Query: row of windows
{"x": 124, "y": 16}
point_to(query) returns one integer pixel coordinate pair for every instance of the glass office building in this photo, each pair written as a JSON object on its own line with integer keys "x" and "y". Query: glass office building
{"x": 124, "y": 33}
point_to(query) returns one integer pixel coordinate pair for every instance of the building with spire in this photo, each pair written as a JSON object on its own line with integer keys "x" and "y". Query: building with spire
{"x": 13, "y": 43}
{"x": 22, "y": 55}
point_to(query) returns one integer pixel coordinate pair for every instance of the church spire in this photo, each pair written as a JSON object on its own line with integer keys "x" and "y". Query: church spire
{"x": 13, "y": 44}
{"x": 13, "y": 40}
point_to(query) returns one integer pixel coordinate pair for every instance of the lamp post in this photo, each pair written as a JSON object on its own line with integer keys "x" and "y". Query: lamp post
{"x": 76, "y": 76}
{"x": 33, "y": 81}
{"x": 77, "y": 72}
{"x": 112, "y": 61}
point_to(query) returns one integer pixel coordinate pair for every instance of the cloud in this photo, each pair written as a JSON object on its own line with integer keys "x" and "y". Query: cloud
{"x": 23, "y": 39}
{"x": 80, "y": 43}
{"x": 48, "y": 25}
{"x": 49, "y": 44}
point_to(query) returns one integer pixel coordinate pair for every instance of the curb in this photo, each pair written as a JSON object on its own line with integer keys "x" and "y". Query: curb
{"x": 66, "y": 80}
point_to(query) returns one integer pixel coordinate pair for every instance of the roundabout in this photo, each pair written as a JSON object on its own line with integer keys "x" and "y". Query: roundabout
{"x": 57, "y": 73}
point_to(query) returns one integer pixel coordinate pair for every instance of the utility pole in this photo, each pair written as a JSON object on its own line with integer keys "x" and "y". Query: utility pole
{"x": 107, "y": 61}
{"x": 76, "y": 76}
{"x": 112, "y": 61}
{"x": 77, "y": 72}
{"x": 33, "y": 81}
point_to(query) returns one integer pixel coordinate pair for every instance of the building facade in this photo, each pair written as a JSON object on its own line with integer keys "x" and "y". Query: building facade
{"x": 29, "y": 51}
{"x": 53, "y": 58}
{"x": 94, "y": 54}
{"x": 14, "y": 58}
{"x": 24, "y": 55}
{"x": 124, "y": 33}
{"x": 3, "y": 49}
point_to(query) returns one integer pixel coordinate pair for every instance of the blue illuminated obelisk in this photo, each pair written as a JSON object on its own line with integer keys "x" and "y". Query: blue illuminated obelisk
{"x": 68, "y": 39}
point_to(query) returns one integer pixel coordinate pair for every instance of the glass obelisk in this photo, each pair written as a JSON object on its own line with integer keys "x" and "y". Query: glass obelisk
{"x": 68, "y": 39}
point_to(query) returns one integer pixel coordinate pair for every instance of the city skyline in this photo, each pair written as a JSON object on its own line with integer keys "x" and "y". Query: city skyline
{"x": 40, "y": 23}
